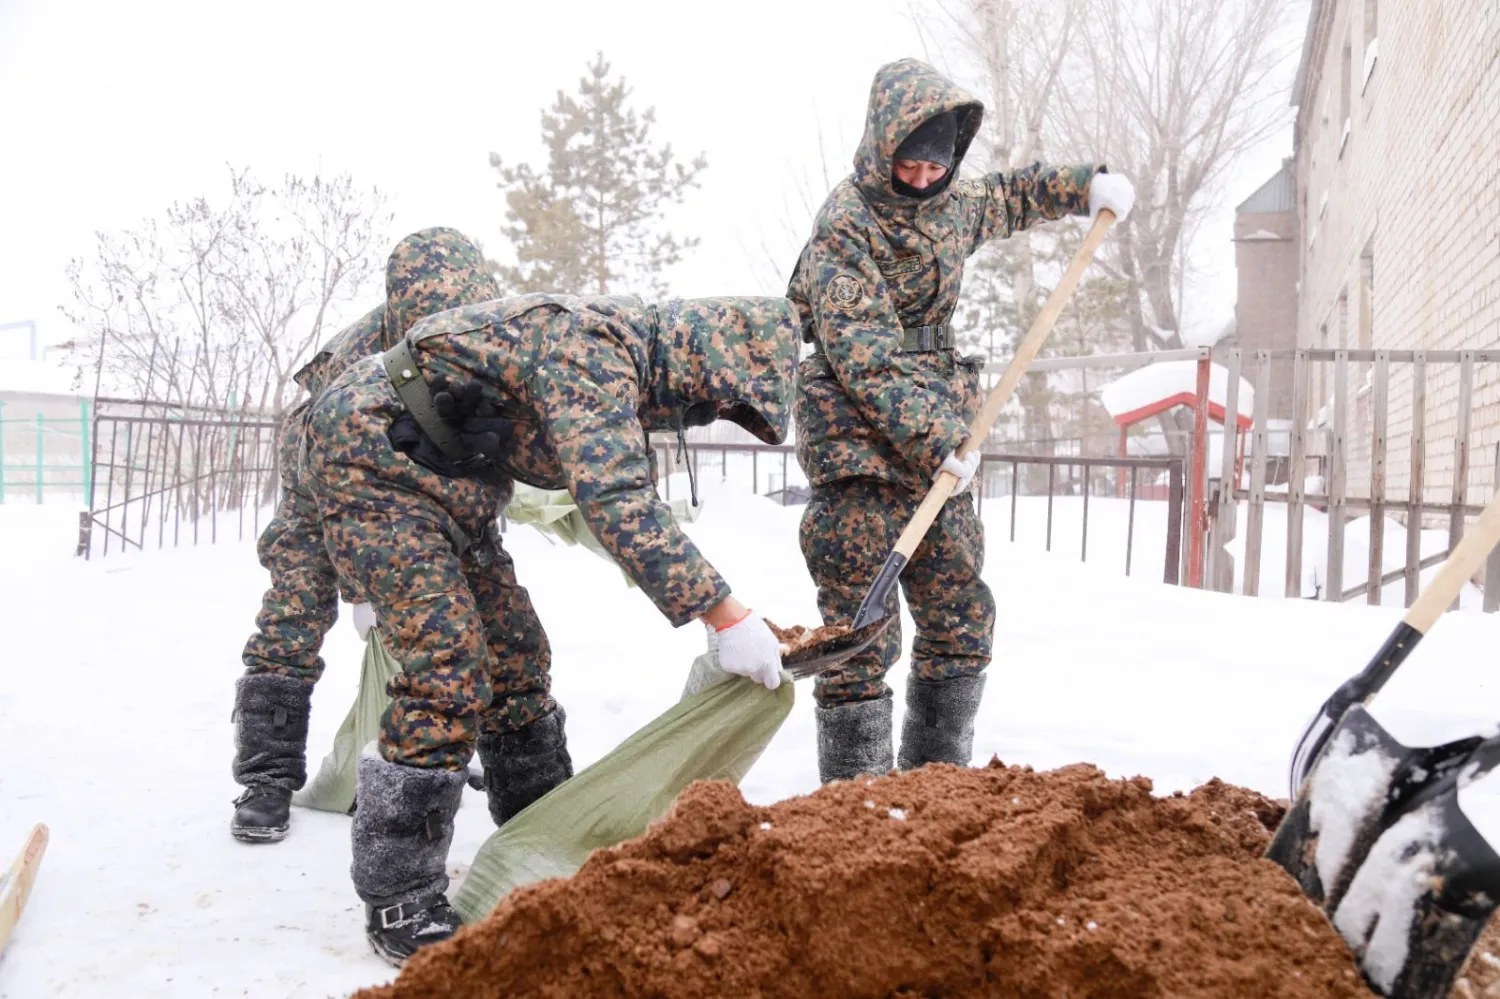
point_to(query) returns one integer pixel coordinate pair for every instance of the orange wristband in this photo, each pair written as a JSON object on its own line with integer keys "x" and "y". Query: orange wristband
{"x": 731, "y": 624}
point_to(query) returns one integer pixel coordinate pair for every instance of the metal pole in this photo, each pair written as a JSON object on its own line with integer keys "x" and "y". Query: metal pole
{"x": 1084, "y": 554}
{"x": 1015, "y": 473}
{"x": 39, "y": 431}
{"x": 1199, "y": 471}
{"x": 1051, "y": 474}
{"x": 85, "y": 454}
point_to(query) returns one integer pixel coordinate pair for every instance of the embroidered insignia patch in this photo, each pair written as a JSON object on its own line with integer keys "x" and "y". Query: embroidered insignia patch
{"x": 844, "y": 292}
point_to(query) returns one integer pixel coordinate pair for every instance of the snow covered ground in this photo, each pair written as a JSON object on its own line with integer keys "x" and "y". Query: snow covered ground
{"x": 118, "y": 681}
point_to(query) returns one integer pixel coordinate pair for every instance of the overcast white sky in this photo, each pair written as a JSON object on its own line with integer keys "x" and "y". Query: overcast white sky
{"x": 109, "y": 111}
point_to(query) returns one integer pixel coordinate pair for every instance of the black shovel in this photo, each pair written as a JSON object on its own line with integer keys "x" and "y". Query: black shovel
{"x": 877, "y": 610}
{"x": 1426, "y": 889}
{"x": 1353, "y": 782}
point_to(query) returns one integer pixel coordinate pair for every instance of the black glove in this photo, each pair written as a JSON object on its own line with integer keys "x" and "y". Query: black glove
{"x": 409, "y": 438}
{"x": 482, "y": 429}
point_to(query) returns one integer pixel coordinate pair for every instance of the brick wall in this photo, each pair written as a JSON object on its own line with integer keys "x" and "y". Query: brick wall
{"x": 1266, "y": 263}
{"x": 1412, "y": 214}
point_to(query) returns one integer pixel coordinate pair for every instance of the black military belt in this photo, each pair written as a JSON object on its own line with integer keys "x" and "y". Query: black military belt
{"x": 926, "y": 339}
{"x": 406, "y": 377}
{"x": 917, "y": 339}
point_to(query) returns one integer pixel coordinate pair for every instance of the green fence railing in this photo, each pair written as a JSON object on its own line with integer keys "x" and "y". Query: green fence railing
{"x": 45, "y": 454}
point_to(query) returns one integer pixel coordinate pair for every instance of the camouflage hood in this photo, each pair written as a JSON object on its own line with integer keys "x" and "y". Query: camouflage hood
{"x": 430, "y": 271}
{"x": 737, "y": 355}
{"x": 904, "y": 95}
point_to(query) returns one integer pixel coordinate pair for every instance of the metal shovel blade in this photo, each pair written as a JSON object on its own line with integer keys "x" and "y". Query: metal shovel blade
{"x": 818, "y": 657}
{"x": 1362, "y": 781}
{"x": 874, "y": 615}
{"x": 1425, "y": 891}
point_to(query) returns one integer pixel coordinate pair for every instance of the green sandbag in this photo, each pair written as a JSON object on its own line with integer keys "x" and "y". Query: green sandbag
{"x": 332, "y": 790}
{"x": 553, "y": 512}
{"x": 715, "y": 732}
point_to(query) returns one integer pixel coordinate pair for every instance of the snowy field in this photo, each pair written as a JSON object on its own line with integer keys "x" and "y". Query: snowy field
{"x": 118, "y": 683}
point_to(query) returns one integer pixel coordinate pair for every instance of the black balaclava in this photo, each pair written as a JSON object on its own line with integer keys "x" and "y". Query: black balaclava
{"x": 933, "y": 141}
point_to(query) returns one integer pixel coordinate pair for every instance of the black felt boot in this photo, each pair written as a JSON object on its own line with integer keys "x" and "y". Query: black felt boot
{"x": 854, "y": 739}
{"x": 403, "y": 826}
{"x": 939, "y": 723}
{"x": 521, "y": 766}
{"x": 270, "y": 753}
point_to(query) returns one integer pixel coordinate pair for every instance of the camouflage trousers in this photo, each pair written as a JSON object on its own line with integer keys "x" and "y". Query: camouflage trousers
{"x": 303, "y": 601}
{"x": 849, "y": 528}
{"x": 425, "y": 552}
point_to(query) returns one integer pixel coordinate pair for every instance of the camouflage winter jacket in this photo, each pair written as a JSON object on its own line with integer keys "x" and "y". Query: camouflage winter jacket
{"x": 586, "y": 379}
{"x": 879, "y": 262}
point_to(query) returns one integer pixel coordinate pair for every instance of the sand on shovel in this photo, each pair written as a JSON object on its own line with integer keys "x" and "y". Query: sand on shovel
{"x": 945, "y": 881}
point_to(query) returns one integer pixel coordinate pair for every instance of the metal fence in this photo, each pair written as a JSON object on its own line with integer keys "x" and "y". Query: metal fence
{"x": 1372, "y": 447}
{"x": 773, "y": 472}
{"x": 44, "y": 457}
{"x": 163, "y": 476}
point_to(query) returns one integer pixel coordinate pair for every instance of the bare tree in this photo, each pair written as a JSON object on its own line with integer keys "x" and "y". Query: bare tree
{"x": 217, "y": 305}
{"x": 305, "y": 248}
{"x": 1168, "y": 93}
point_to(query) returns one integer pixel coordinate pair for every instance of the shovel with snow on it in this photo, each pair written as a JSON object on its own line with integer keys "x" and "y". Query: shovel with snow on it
{"x": 1363, "y": 803}
{"x": 876, "y": 609}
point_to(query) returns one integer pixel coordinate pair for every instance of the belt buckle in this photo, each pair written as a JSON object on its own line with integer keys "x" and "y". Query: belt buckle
{"x": 924, "y": 339}
{"x": 383, "y": 914}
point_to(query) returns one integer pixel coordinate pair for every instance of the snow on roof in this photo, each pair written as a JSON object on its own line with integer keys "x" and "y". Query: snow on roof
{"x": 36, "y": 378}
{"x": 1157, "y": 387}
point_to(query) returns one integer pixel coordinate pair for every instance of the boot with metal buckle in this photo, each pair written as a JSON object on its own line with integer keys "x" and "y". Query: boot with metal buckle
{"x": 396, "y": 932}
{"x": 403, "y": 826}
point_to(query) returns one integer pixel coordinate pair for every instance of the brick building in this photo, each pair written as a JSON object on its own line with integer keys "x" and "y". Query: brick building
{"x": 1397, "y": 171}
{"x": 1266, "y": 263}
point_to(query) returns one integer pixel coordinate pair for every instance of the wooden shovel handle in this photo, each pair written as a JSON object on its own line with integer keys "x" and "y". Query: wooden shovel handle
{"x": 1462, "y": 562}
{"x": 979, "y": 430}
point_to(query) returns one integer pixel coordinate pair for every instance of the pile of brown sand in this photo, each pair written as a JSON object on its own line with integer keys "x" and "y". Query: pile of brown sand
{"x": 997, "y": 882}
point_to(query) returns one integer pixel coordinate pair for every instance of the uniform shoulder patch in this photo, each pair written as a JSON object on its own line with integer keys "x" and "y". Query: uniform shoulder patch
{"x": 974, "y": 188}
{"x": 845, "y": 292}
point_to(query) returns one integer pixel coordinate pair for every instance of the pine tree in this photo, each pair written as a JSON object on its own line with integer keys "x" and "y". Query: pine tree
{"x": 591, "y": 223}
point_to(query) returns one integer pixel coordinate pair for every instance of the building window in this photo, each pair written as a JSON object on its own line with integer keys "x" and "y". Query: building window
{"x": 1346, "y": 87}
{"x": 1372, "y": 46}
{"x": 1372, "y": 12}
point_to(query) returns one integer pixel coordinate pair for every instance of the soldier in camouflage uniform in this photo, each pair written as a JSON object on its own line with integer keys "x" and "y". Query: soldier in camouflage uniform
{"x": 884, "y": 402}
{"x": 428, "y": 271}
{"x": 557, "y": 392}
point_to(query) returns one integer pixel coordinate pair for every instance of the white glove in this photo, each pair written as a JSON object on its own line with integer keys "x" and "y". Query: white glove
{"x": 1112, "y": 191}
{"x": 364, "y": 620}
{"x": 749, "y": 648}
{"x": 964, "y": 468}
